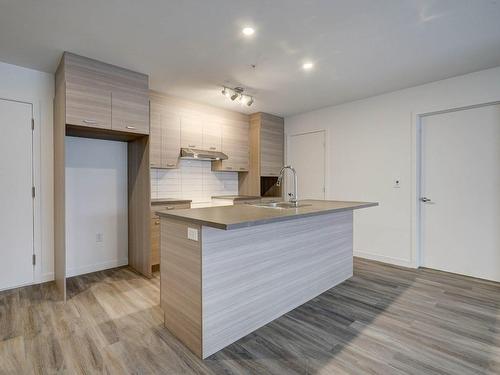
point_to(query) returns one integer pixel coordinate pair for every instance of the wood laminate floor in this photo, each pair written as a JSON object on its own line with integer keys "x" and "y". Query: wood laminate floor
{"x": 384, "y": 320}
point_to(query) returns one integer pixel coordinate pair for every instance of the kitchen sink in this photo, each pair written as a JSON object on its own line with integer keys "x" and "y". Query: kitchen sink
{"x": 278, "y": 205}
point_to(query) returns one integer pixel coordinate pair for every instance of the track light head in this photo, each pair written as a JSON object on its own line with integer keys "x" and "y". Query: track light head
{"x": 237, "y": 94}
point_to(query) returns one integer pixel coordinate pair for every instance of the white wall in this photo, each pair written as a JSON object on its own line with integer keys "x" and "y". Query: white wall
{"x": 371, "y": 143}
{"x": 37, "y": 88}
{"x": 96, "y": 204}
{"x": 193, "y": 180}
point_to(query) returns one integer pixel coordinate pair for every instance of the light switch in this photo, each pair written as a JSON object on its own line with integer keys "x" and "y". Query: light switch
{"x": 193, "y": 234}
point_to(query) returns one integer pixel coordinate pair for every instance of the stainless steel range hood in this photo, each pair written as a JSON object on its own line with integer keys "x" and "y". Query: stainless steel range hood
{"x": 197, "y": 154}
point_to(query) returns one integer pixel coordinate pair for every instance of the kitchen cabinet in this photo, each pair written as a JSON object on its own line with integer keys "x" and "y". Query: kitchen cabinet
{"x": 191, "y": 132}
{"x": 155, "y": 227}
{"x": 200, "y": 132}
{"x": 130, "y": 110}
{"x": 88, "y": 105}
{"x": 272, "y": 136}
{"x": 266, "y": 137}
{"x": 212, "y": 132}
{"x": 235, "y": 144}
{"x": 102, "y": 96}
{"x": 171, "y": 139}
{"x": 165, "y": 137}
{"x": 102, "y": 101}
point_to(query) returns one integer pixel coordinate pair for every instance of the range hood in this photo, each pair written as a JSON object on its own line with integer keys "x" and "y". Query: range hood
{"x": 197, "y": 154}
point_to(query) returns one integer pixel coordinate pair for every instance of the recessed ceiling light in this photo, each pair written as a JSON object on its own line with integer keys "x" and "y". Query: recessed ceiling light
{"x": 248, "y": 31}
{"x": 307, "y": 66}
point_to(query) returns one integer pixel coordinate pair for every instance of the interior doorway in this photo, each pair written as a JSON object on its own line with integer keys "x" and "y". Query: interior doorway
{"x": 460, "y": 191}
{"x": 16, "y": 194}
{"x": 306, "y": 152}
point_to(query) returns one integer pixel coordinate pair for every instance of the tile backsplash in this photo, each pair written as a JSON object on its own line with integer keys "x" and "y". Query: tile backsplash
{"x": 193, "y": 180}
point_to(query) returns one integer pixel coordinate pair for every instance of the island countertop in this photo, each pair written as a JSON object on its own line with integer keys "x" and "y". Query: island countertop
{"x": 240, "y": 216}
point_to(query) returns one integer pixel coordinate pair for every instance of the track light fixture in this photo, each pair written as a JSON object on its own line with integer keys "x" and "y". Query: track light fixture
{"x": 236, "y": 94}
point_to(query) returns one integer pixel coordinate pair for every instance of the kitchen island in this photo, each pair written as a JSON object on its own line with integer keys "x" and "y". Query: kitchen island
{"x": 226, "y": 271}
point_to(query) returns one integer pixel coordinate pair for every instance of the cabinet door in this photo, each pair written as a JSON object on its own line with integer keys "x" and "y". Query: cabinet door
{"x": 88, "y": 105}
{"x": 235, "y": 144}
{"x": 171, "y": 139}
{"x": 155, "y": 137}
{"x": 130, "y": 111}
{"x": 271, "y": 146}
{"x": 191, "y": 132}
{"x": 212, "y": 135}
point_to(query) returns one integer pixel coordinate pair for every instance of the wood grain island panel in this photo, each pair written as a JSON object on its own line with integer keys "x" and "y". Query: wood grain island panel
{"x": 221, "y": 285}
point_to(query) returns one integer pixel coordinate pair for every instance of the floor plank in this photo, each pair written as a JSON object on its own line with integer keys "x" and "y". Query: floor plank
{"x": 384, "y": 320}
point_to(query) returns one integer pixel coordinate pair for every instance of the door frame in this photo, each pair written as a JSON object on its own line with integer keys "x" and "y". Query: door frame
{"x": 36, "y": 181}
{"x": 326, "y": 162}
{"x": 416, "y": 173}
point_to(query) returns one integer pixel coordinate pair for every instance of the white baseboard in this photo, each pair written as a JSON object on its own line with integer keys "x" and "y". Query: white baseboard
{"x": 385, "y": 259}
{"x": 96, "y": 267}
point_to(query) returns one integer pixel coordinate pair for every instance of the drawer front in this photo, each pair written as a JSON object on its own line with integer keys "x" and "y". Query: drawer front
{"x": 167, "y": 207}
{"x": 88, "y": 106}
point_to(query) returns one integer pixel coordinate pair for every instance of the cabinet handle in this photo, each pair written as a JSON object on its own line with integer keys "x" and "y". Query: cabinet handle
{"x": 191, "y": 145}
{"x": 157, "y": 222}
{"x": 130, "y": 127}
{"x": 90, "y": 121}
{"x": 170, "y": 165}
{"x": 213, "y": 148}
{"x": 169, "y": 207}
{"x": 242, "y": 169}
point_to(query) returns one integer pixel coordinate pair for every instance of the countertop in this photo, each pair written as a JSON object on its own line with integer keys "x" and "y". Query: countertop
{"x": 237, "y": 197}
{"x": 243, "y": 215}
{"x": 170, "y": 200}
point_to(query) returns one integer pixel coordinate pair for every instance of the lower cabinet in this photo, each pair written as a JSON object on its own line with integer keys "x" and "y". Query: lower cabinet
{"x": 155, "y": 228}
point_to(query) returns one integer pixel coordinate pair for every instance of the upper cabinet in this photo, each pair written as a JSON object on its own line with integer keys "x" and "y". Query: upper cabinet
{"x": 103, "y": 96}
{"x": 177, "y": 123}
{"x": 130, "y": 111}
{"x": 212, "y": 134}
{"x": 191, "y": 131}
{"x": 235, "y": 144}
{"x": 165, "y": 137}
{"x": 271, "y": 144}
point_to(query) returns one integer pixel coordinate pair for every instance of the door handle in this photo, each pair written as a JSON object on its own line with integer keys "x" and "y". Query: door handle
{"x": 425, "y": 200}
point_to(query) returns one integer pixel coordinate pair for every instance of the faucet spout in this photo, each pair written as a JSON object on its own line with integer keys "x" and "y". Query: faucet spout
{"x": 293, "y": 197}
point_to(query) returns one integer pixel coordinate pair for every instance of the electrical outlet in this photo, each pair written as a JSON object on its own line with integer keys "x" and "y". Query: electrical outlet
{"x": 99, "y": 237}
{"x": 193, "y": 234}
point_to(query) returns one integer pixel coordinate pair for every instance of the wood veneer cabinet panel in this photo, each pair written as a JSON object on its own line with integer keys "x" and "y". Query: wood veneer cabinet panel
{"x": 191, "y": 131}
{"x": 235, "y": 144}
{"x": 180, "y": 283}
{"x": 130, "y": 110}
{"x": 272, "y": 135}
{"x": 155, "y": 136}
{"x": 104, "y": 96}
{"x": 155, "y": 228}
{"x": 170, "y": 139}
{"x": 139, "y": 206}
{"x": 88, "y": 105}
{"x": 165, "y": 138}
{"x": 59, "y": 189}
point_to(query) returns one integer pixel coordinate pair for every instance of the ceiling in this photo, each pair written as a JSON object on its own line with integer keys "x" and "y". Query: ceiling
{"x": 190, "y": 48}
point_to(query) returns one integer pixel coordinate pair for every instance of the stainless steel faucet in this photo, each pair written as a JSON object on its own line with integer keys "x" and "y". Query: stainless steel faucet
{"x": 293, "y": 198}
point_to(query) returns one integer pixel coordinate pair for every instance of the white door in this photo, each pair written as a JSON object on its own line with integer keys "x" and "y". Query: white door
{"x": 16, "y": 201}
{"x": 306, "y": 153}
{"x": 460, "y": 225}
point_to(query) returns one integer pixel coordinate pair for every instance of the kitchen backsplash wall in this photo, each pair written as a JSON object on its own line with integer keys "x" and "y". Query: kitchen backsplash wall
{"x": 193, "y": 180}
